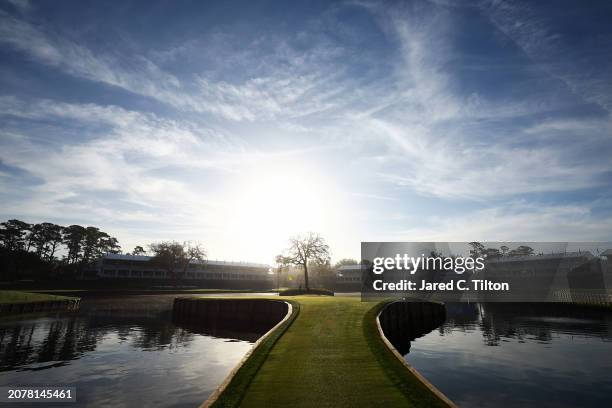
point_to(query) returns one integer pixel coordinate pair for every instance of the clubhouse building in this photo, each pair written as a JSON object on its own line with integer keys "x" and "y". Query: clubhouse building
{"x": 217, "y": 274}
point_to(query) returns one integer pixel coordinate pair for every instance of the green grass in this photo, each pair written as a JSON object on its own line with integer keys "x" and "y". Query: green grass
{"x": 12, "y": 296}
{"x": 330, "y": 356}
{"x": 128, "y": 286}
{"x": 298, "y": 292}
{"x": 135, "y": 291}
{"x": 415, "y": 392}
{"x": 233, "y": 394}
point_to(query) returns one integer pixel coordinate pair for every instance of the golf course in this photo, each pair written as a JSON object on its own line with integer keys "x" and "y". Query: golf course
{"x": 328, "y": 352}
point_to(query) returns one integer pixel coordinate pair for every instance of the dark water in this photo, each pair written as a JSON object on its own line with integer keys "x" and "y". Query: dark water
{"x": 517, "y": 355}
{"x": 120, "y": 352}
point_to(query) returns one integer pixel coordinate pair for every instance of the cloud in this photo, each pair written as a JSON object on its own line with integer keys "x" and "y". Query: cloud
{"x": 293, "y": 84}
{"x": 23, "y": 6}
{"x": 586, "y": 128}
{"x": 127, "y": 156}
{"x": 133, "y": 167}
{"x": 545, "y": 40}
{"x": 266, "y": 98}
{"x": 394, "y": 117}
{"x": 441, "y": 142}
{"x": 286, "y": 83}
{"x": 435, "y": 163}
{"x": 515, "y": 221}
{"x": 52, "y": 49}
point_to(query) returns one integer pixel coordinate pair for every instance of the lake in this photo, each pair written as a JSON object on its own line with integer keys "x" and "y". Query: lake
{"x": 517, "y": 355}
{"x": 120, "y": 352}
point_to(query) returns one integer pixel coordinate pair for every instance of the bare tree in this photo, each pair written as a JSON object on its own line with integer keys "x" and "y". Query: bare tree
{"x": 304, "y": 250}
{"x": 193, "y": 252}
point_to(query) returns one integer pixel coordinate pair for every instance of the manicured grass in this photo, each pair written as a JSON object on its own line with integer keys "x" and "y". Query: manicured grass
{"x": 128, "y": 286}
{"x": 415, "y": 392}
{"x": 154, "y": 291}
{"x": 297, "y": 292}
{"x": 12, "y": 296}
{"x": 132, "y": 291}
{"x": 331, "y": 356}
{"x": 234, "y": 393}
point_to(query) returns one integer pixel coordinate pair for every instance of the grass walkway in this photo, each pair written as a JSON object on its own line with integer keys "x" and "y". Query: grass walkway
{"x": 332, "y": 356}
{"x": 13, "y": 296}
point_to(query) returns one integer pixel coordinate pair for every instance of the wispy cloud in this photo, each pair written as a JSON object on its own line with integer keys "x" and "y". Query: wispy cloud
{"x": 295, "y": 84}
{"x": 52, "y": 49}
{"x": 543, "y": 39}
{"x": 23, "y": 6}
{"x": 446, "y": 143}
{"x": 393, "y": 101}
{"x": 515, "y": 221}
{"x": 127, "y": 156}
{"x": 133, "y": 167}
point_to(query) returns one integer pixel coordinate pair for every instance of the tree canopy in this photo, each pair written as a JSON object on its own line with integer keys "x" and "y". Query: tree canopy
{"x": 81, "y": 244}
{"x": 175, "y": 257}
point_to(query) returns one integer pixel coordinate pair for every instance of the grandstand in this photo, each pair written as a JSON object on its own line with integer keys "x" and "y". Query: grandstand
{"x": 214, "y": 274}
{"x": 349, "y": 278}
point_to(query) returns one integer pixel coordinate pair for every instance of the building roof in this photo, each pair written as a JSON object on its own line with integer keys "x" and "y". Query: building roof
{"x": 562, "y": 255}
{"x": 142, "y": 258}
{"x": 351, "y": 267}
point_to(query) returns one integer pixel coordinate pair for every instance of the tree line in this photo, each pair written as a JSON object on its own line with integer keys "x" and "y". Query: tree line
{"x": 30, "y": 250}
{"x": 40, "y": 250}
{"x": 479, "y": 250}
{"x": 35, "y": 250}
{"x": 82, "y": 244}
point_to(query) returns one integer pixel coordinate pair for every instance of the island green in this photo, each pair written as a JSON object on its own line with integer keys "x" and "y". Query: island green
{"x": 331, "y": 355}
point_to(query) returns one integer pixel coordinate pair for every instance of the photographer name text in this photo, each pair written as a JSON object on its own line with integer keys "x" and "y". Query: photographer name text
{"x": 481, "y": 285}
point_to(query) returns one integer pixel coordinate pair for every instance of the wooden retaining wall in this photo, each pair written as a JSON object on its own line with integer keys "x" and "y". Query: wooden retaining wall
{"x": 251, "y": 312}
{"x": 259, "y": 313}
{"x": 41, "y": 306}
{"x": 410, "y": 320}
{"x": 403, "y": 322}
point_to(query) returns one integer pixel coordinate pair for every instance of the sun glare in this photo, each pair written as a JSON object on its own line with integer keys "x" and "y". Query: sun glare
{"x": 271, "y": 203}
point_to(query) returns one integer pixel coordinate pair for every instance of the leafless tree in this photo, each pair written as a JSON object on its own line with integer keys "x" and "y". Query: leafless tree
{"x": 304, "y": 250}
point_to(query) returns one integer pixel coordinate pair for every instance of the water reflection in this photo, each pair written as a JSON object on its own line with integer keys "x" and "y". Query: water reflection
{"x": 521, "y": 354}
{"x": 540, "y": 322}
{"x": 121, "y": 352}
{"x": 229, "y": 329}
{"x": 403, "y": 322}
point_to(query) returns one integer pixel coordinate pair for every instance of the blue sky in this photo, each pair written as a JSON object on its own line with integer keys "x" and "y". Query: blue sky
{"x": 243, "y": 123}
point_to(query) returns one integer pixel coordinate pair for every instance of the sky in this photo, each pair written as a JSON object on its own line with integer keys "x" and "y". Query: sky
{"x": 241, "y": 124}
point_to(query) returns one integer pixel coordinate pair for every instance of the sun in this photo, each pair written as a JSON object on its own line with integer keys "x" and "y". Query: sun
{"x": 272, "y": 202}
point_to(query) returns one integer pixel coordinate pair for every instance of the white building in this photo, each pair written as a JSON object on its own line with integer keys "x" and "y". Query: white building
{"x": 118, "y": 266}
